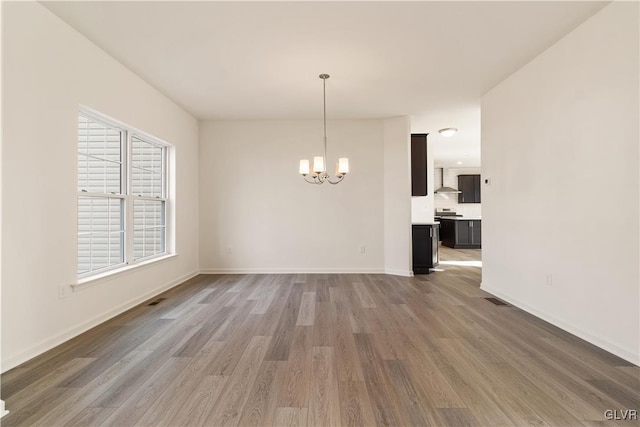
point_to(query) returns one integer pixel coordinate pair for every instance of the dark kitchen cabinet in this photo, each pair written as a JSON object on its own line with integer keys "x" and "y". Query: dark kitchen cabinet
{"x": 461, "y": 233}
{"x": 419, "y": 164}
{"x": 469, "y": 185}
{"x": 469, "y": 233}
{"x": 425, "y": 248}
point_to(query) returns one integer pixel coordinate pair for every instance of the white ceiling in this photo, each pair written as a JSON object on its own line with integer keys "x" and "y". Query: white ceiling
{"x": 261, "y": 60}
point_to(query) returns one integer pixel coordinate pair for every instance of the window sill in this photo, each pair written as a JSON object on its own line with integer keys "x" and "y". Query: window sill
{"x": 88, "y": 282}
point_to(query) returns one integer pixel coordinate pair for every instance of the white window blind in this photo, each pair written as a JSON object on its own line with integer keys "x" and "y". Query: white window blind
{"x": 100, "y": 202}
{"x": 122, "y": 180}
{"x": 147, "y": 185}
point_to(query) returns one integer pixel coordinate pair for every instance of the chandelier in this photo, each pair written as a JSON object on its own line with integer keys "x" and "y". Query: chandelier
{"x": 319, "y": 174}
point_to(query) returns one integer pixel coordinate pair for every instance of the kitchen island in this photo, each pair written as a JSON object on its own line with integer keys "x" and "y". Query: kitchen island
{"x": 461, "y": 232}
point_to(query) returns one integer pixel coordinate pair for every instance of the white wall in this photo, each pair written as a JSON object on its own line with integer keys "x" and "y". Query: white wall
{"x": 3, "y": 411}
{"x": 450, "y": 201}
{"x": 550, "y": 133}
{"x": 258, "y": 215}
{"x": 397, "y": 197}
{"x": 48, "y": 70}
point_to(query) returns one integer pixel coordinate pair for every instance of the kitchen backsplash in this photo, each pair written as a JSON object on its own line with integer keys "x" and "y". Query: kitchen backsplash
{"x": 450, "y": 201}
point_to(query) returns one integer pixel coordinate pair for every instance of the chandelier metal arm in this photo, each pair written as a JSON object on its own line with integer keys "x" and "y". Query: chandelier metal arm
{"x": 340, "y": 178}
{"x": 314, "y": 181}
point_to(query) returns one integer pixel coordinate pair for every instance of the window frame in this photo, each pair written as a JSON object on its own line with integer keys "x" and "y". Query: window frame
{"x": 126, "y": 195}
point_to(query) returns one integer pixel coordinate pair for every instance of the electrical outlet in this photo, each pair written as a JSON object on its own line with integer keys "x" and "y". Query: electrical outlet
{"x": 549, "y": 279}
{"x": 363, "y": 249}
{"x": 63, "y": 291}
{"x": 229, "y": 251}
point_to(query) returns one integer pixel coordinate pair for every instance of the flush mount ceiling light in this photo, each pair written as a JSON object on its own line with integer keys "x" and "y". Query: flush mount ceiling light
{"x": 448, "y": 132}
{"x": 319, "y": 174}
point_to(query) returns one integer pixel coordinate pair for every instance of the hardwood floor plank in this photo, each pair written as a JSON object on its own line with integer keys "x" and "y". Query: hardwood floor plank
{"x": 412, "y": 411}
{"x": 363, "y": 294}
{"x": 171, "y": 338}
{"x": 372, "y": 364}
{"x": 295, "y": 387}
{"x": 79, "y": 398}
{"x": 109, "y": 340}
{"x": 178, "y": 392}
{"x": 260, "y": 408}
{"x": 353, "y": 307}
{"x": 200, "y": 402}
{"x": 126, "y": 385}
{"x": 187, "y": 306}
{"x": 382, "y": 398}
{"x": 271, "y": 318}
{"x": 355, "y": 407}
{"x": 266, "y": 298}
{"x": 242, "y": 282}
{"x": 323, "y": 335}
{"x": 225, "y": 360}
{"x": 347, "y": 363}
{"x": 484, "y": 409}
{"x": 33, "y": 391}
{"x": 134, "y": 408}
{"x": 461, "y": 417}
{"x": 431, "y": 383}
{"x": 385, "y": 340}
{"x": 281, "y": 342}
{"x": 512, "y": 405}
{"x": 125, "y": 345}
{"x": 324, "y": 403}
{"x": 290, "y": 417}
{"x": 32, "y": 414}
{"x": 558, "y": 384}
{"x": 599, "y": 360}
{"x": 203, "y": 334}
{"x": 227, "y": 409}
{"x": 322, "y": 291}
{"x": 306, "y": 314}
{"x": 617, "y": 393}
{"x": 386, "y": 290}
{"x": 91, "y": 417}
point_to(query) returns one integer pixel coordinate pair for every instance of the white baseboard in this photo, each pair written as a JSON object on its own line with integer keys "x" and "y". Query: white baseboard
{"x": 3, "y": 411}
{"x": 403, "y": 273}
{"x": 50, "y": 343}
{"x": 216, "y": 270}
{"x": 604, "y": 344}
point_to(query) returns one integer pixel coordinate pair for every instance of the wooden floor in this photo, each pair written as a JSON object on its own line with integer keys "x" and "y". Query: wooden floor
{"x": 324, "y": 350}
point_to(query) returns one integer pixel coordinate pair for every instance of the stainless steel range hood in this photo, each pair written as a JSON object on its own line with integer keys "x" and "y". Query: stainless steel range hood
{"x": 444, "y": 189}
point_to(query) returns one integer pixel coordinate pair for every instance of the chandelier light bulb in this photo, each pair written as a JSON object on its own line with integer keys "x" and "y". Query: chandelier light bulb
{"x": 343, "y": 165}
{"x": 318, "y": 164}
{"x": 304, "y": 167}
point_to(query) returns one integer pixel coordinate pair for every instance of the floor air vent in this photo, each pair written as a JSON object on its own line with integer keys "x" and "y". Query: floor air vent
{"x": 156, "y": 302}
{"x": 496, "y": 301}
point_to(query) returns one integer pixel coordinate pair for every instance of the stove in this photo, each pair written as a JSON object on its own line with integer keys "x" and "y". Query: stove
{"x": 446, "y": 213}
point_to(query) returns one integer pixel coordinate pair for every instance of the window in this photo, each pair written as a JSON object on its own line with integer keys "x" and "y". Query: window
{"x": 147, "y": 185}
{"x": 122, "y": 196}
